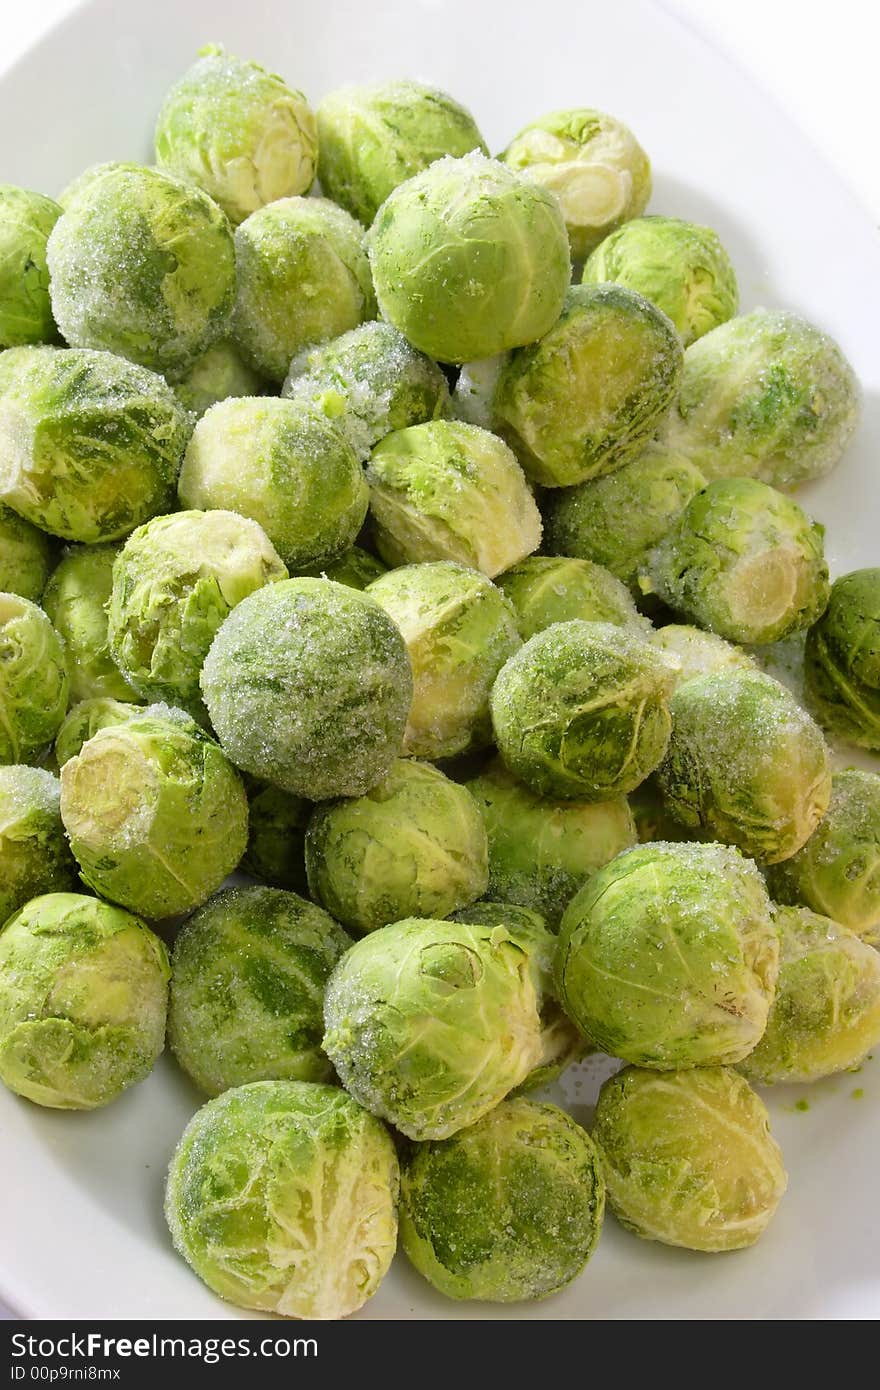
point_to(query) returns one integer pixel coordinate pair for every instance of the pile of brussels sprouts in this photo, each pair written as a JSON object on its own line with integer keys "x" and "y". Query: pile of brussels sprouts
{"x": 353, "y": 541}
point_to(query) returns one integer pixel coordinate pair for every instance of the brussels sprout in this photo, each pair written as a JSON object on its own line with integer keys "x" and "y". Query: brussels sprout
{"x": 743, "y": 561}
{"x": 156, "y": 815}
{"x": 842, "y": 660}
{"x": 510, "y": 1208}
{"x": 76, "y": 600}
{"x": 283, "y": 465}
{"x": 90, "y": 445}
{"x": 594, "y": 165}
{"x": 85, "y": 719}
{"x": 142, "y": 265}
{"x": 616, "y": 520}
{"x": 83, "y": 997}
{"x": 540, "y": 851}
{"x": 26, "y": 219}
{"x": 34, "y": 854}
{"x": 459, "y": 631}
{"x": 475, "y": 389}
{"x": 668, "y": 956}
{"x": 745, "y": 764}
{"x": 217, "y": 374}
{"x": 34, "y": 683}
{"x": 308, "y": 685}
{"x": 277, "y": 823}
{"x": 546, "y": 590}
{"x": 688, "y": 1157}
{"x": 237, "y": 131}
{"x": 837, "y": 871}
{"x": 580, "y": 712}
{"x": 449, "y": 491}
{"x": 370, "y": 382}
{"x": 680, "y": 266}
{"x": 303, "y": 278}
{"x": 25, "y": 556}
{"x": 430, "y": 1024}
{"x": 415, "y": 844}
{"x": 356, "y": 569}
{"x": 699, "y": 653}
{"x": 766, "y": 395}
{"x": 174, "y": 582}
{"x": 282, "y": 1196}
{"x": 469, "y": 259}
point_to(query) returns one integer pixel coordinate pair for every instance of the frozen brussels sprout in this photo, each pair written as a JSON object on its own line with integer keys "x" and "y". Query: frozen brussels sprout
{"x": 510, "y": 1208}
{"x": 356, "y": 569}
{"x": 308, "y": 686}
{"x": 680, "y": 266}
{"x": 594, "y": 165}
{"x": 842, "y": 660}
{"x": 83, "y": 998}
{"x": 414, "y": 845}
{"x": 277, "y": 823}
{"x": 142, "y": 265}
{"x": 303, "y": 278}
{"x": 84, "y": 720}
{"x": 174, "y": 582}
{"x": 588, "y": 396}
{"x": 469, "y": 259}
{"x": 76, "y": 600}
{"x": 156, "y": 815}
{"x": 450, "y": 491}
{"x": 376, "y": 136}
{"x": 282, "y": 1196}
{"x": 34, "y": 854}
{"x": 742, "y": 560}
{"x": 430, "y": 1024}
{"x": 699, "y": 653}
{"x": 370, "y": 382}
{"x": 34, "y": 682}
{"x": 90, "y": 444}
{"x": 25, "y": 556}
{"x": 549, "y": 589}
{"x": 581, "y": 712}
{"x": 248, "y": 973}
{"x": 218, "y": 373}
{"x": 766, "y": 395}
{"x": 475, "y": 390}
{"x": 459, "y": 631}
{"x": 541, "y": 851}
{"x": 616, "y": 520}
{"x": 745, "y": 764}
{"x": 26, "y": 219}
{"x": 237, "y": 131}
{"x": 284, "y": 465}
{"x": 668, "y": 956}
{"x": 688, "y": 1157}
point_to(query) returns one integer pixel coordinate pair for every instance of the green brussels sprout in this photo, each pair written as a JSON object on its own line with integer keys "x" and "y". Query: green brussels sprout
{"x": 34, "y": 681}
{"x": 469, "y": 259}
{"x": 688, "y": 1157}
{"x": 587, "y": 397}
{"x": 766, "y": 395}
{"x": 594, "y": 165}
{"x": 238, "y": 132}
{"x": 414, "y": 845}
{"x": 842, "y": 660}
{"x": 450, "y": 491}
{"x": 376, "y": 136}
{"x": 26, "y": 219}
{"x": 156, "y": 815}
{"x": 616, "y": 520}
{"x": 510, "y": 1208}
{"x": 217, "y": 374}
{"x": 459, "y": 631}
{"x": 83, "y": 998}
{"x": 680, "y": 266}
{"x": 248, "y": 973}
{"x": 745, "y": 764}
{"x": 581, "y": 712}
{"x": 699, "y": 653}
{"x": 303, "y": 278}
{"x": 430, "y": 1024}
{"x": 174, "y": 582}
{"x": 356, "y": 569}
{"x": 744, "y": 561}
{"x": 549, "y": 589}
{"x": 35, "y": 857}
{"x": 84, "y": 720}
{"x": 142, "y": 265}
{"x": 277, "y": 823}
{"x": 25, "y": 556}
{"x": 475, "y": 390}
{"x": 540, "y": 851}
{"x": 284, "y": 465}
{"x": 668, "y": 956}
{"x": 370, "y": 382}
{"x": 282, "y": 1196}
{"x": 76, "y": 600}
{"x": 90, "y": 444}
{"x": 308, "y": 686}
{"x": 837, "y": 871}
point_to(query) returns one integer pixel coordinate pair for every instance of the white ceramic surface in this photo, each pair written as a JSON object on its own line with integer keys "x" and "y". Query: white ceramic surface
{"x": 81, "y": 1228}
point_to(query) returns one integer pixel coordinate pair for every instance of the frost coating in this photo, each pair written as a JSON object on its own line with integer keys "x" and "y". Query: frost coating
{"x": 699, "y": 653}
{"x": 26, "y": 219}
{"x": 25, "y": 556}
{"x": 218, "y": 373}
{"x": 277, "y": 823}
{"x": 34, "y": 682}
{"x": 76, "y": 600}
{"x": 84, "y": 720}
{"x": 35, "y": 857}
{"x": 282, "y": 1196}
{"x": 546, "y": 590}
{"x": 842, "y": 660}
